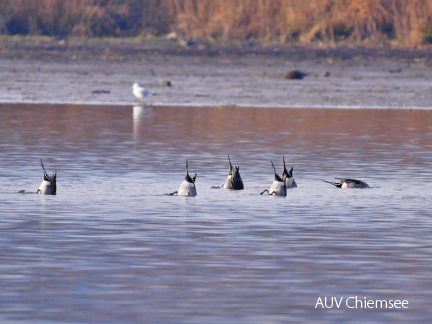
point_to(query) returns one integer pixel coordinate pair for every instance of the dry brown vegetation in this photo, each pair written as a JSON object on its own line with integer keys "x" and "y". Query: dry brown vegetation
{"x": 402, "y": 22}
{"x": 83, "y": 17}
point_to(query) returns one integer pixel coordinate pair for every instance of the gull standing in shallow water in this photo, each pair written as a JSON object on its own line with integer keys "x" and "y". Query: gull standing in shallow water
{"x": 348, "y": 183}
{"x": 141, "y": 92}
{"x": 187, "y": 187}
{"x": 49, "y": 184}
{"x": 234, "y": 180}
{"x": 278, "y": 187}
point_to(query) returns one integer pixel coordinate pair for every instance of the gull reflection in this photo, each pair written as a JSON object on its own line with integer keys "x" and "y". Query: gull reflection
{"x": 140, "y": 116}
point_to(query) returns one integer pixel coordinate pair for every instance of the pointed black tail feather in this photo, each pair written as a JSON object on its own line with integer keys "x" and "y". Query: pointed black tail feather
{"x": 336, "y": 184}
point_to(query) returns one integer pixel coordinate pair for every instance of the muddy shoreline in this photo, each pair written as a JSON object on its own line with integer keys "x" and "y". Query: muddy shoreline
{"x": 242, "y": 75}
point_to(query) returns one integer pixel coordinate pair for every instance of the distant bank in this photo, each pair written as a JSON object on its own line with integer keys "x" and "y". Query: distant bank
{"x": 403, "y": 23}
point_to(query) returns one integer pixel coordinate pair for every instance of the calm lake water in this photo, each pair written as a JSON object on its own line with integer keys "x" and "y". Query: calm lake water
{"x": 111, "y": 247}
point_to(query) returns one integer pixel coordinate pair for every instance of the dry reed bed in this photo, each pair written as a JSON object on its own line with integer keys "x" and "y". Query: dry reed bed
{"x": 401, "y": 22}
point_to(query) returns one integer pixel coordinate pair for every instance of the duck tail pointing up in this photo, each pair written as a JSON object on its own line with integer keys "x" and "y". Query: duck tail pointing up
{"x": 46, "y": 177}
{"x": 273, "y": 166}
{"x": 42, "y": 164}
{"x": 336, "y": 184}
{"x": 230, "y": 165}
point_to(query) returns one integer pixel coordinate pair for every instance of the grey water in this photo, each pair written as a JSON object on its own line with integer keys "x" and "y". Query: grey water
{"x": 112, "y": 247}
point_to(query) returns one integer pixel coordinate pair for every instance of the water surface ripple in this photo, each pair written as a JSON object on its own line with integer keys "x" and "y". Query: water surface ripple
{"x": 111, "y": 247}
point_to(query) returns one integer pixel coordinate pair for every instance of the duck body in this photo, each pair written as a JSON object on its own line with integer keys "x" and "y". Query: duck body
{"x": 234, "y": 180}
{"x": 46, "y": 188}
{"x": 290, "y": 183}
{"x": 187, "y": 187}
{"x": 288, "y": 177}
{"x": 278, "y": 187}
{"x": 49, "y": 183}
{"x": 349, "y": 183}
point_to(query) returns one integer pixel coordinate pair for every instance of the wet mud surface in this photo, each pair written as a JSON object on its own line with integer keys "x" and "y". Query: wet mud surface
{"x": 248, "y": 75}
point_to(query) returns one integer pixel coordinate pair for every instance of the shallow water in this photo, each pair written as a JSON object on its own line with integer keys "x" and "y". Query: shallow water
{"x": 112, "y": 247}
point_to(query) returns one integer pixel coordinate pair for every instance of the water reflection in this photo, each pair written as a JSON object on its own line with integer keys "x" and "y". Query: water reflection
{"x": 111, "y": 247}
{"x": 142, "y": 116}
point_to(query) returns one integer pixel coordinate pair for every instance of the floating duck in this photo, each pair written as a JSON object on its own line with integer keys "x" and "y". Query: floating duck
{"x": 187, "y": 187}
{"x": 348, "y": 183}
{"x": 234, "y": 180}
{"x": 49, "y": 184}
{"x": 278, "y": 187}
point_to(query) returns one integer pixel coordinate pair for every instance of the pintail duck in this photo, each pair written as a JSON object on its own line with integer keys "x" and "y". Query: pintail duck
{"x": 187, "y": 187}
{"x": 288, "y": 176}
{"x": 141, "y": 92}
{"x": 278, "y": 187}
{"x": 234, "y": 180}
{"x": 348, "y": 183}
{"x": 49, "y": 184}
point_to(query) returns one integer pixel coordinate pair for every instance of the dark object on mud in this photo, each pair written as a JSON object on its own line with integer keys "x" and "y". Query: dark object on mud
{"x": 166, "y": 83}
{"x": 100, "y": 91}
{"x": 295, "y": 75}
{"x": 187, "y": 42}
{"x": 395, "y": 71}
{"x": 326, "y": 74}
